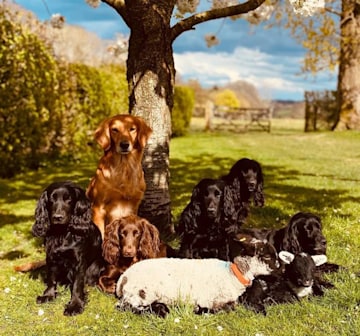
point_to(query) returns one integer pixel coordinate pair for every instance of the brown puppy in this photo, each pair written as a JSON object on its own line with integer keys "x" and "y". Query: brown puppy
{"x": 128, "y": 240}
{"x": 118, "y": 186}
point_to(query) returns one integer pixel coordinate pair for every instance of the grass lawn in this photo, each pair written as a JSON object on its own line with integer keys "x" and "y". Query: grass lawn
{"x": 317, "y": 172}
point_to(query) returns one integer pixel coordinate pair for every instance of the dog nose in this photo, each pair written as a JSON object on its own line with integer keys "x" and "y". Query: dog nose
{"x": 252, "y": 185}
{"x": 128, "y": 252}
{"x": 58, "y": 218}
{"x": 124, "y": 145}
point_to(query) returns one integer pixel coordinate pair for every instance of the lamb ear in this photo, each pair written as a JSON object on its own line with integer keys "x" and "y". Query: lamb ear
{"x": 286, "y": 257}
{"x": 319, "y": 259}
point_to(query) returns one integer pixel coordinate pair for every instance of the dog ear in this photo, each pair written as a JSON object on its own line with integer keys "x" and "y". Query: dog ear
{"x": 188, "y": 222}
{"x": 81, "y": 217}
{"x": 41, "y": 224}
{"x": 149, "y": 245}
{"x": 111, "y": 244}
{"x": 102, "y": 134}
{"x": 290, "y": 241}
{"x": 144, "y": 132}
{"x": 259, "y": 199}
{"x": 234, "y": 210}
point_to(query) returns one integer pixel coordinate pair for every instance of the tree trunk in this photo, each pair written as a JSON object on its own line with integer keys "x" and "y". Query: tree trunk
{"x": 150, "y": 74}
{"x": 349, "y": 67}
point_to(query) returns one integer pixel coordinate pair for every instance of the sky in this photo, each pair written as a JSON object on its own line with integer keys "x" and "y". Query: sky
{"x": 268, "y": 59}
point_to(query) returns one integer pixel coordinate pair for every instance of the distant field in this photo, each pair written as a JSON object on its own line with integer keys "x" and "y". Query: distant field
{"x": 277, "y": 125}
{"x": 317, "y": 172}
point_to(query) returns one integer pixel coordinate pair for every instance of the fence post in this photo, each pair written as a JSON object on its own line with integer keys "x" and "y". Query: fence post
{"x": 209, "y": 111}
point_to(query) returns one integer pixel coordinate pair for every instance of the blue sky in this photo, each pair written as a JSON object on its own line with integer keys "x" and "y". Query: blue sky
{"x": 269, "y": 59}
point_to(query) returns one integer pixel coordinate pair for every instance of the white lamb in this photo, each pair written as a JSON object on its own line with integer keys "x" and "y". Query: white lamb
{"x": 208, "y": 284}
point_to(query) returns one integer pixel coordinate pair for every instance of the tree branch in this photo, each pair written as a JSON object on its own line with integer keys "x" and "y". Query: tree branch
{"x": 332, "y": 11}
{"x": 218, "y": 13}
{"x": 120, "y": 7}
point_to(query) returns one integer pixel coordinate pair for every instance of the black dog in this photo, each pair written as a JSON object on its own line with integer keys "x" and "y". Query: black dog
{"x": 72, "y": 243}
{"x": 303, "y": 233}
{"x": 200, "y": 224}
{"x": 243, "y": 184}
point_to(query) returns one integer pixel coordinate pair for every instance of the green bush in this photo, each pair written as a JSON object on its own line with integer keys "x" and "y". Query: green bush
{"x": 184, "y": 101}
{"x": 28, "y": 98}
{"x": 49, "y": 110}
{"x": 87, "y": 96}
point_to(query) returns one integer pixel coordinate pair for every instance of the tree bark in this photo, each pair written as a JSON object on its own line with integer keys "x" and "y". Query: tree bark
{"x": 349, "y": 67}
{"x": 151, "y": 78}
{"x": 151, "y": 74}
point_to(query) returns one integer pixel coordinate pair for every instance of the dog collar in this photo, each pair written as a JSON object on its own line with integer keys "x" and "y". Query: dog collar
{"x": 246, "y": 282}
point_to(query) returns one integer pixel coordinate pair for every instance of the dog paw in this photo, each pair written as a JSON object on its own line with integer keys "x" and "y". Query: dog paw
{"x": 44, "y": 298}
{"x": 73, "y": 308}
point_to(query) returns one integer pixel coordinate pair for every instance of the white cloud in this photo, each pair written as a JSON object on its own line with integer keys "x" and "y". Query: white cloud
{"x": 272, "y": 68}
{"x": 270, "y": 74}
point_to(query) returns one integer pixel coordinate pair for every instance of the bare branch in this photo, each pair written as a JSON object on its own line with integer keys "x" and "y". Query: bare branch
{"x": 120, "y": 7}
{"x": 332, "y": 11}
{"x": 218, "y": 13}
{"x": 117, "y": 4}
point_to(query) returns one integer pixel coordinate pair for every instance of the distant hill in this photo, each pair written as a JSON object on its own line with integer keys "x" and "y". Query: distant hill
{"x": 246, "y": 93}
{"x": 71, "y": 43}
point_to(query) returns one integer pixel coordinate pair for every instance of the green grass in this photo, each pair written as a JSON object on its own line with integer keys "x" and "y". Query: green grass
{"x": 318, "y": 172}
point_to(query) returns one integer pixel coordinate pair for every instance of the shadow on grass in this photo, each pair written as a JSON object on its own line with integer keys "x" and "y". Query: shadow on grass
{"x": 283, "y": 196}
{"x": 20, "y": 195}
{"x": 279, "y": 188}
{"x": 13, "y": 255}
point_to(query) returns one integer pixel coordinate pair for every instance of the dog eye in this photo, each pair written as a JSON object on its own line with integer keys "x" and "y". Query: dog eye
{"x": 67, "y": 198}
{"x": 132, "y": 129}
{"x": 114, "y": 130}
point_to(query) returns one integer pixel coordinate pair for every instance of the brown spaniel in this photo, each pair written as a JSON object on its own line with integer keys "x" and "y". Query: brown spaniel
{"x": 128, "y": 240}
{"x": 118, "y": 186}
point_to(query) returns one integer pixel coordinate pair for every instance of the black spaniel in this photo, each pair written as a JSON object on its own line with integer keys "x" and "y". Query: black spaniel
{"x": 72, "y": 243}
{"x": 303, "y": 233}
{"x": 243, "y": 185}
{"x": 200, "y": 224}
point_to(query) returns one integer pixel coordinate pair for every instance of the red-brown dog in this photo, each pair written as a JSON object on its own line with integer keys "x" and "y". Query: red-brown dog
{"x": 128, "y": 240}
{"x": 118, "y": 186}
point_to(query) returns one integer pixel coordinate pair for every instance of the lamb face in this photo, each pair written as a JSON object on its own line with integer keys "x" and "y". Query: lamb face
{"x": 300, "y": 269}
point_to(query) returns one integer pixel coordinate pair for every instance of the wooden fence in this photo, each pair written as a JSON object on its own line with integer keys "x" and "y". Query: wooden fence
{"x": 238, "y": 119}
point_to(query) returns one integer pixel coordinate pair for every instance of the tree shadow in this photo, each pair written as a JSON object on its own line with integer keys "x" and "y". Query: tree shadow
{"x": 13, "y": 255}
{"x": 11, "y": 219}
{"x": 279, "y": 188}
{"x": 23, "y": 191}
{"x": 283, "y": 197}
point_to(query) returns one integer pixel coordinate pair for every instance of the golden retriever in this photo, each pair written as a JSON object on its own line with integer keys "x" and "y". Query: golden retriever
{"x": 118, "y": 186}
